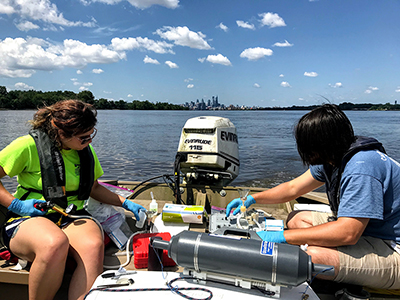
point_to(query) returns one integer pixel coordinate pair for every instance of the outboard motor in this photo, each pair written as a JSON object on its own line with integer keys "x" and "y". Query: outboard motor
{"x": 208, "y": 151}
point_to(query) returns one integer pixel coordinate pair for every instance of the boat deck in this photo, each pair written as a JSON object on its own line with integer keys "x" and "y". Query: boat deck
{"x": 14, "y": 284}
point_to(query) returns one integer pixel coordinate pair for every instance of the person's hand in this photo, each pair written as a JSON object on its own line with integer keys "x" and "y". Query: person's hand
{"x": 133, "y": 207}
{"x": 272, "y": 236}
{"x": 26, "y": 207}
{"x": 237, "y": 203}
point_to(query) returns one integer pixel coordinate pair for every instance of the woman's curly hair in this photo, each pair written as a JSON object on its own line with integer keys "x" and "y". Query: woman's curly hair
{"x": 68, "y": 117}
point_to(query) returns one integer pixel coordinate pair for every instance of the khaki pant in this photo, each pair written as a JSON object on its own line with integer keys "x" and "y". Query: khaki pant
{"x": 371, "y": 262}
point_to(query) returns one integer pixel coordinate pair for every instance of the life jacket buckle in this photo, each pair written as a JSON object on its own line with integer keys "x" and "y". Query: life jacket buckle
{"x": 56, "y": 191}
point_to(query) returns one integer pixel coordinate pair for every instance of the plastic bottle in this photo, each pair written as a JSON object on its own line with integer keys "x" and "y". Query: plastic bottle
{"x": 153, "y": 205}
{"x": 142, "y": 216}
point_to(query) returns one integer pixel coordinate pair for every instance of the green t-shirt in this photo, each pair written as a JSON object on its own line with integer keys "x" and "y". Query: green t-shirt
{"x": 21, "y": 159}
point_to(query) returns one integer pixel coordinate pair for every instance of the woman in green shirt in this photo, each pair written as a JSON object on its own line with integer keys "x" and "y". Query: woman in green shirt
{"x": 59, "y": 143}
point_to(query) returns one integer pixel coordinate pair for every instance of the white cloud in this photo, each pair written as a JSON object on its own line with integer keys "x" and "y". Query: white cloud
{"x": 310, "y": 74}
{"x": 97, "y": 71}
{"x": 74, "y": 79}
{"x": 39, "y": 10}
{"x": 222, "y": 27}
{"x": 147, "y": 3}
{"x": 26, "y": 26}
{"x": 336, "y": 85}
{"x": 171, "y": 64}
{"x": 130, "y": 96}
{"x": 190, "y": 86}
{"x": 188, "y": 80}
{"x": 23, "y": 86}
{"x": 140, "y": 43}
{"x": 218, "y": 59}
{"x": 398, "y": 89}
{"x": 271, "y": 20}
{"x": 256, "y": 85}
{"x": 23, "y": 57}
{"x": 6, "y": 8}
{"x": 141, "y": 4}
{"x": 83, "y": 86}
{"x": 284, "y": 44}
{"x": 75, "y": 53}
{"x": 281, "y": 75}
{"x": 371, "y": 89}
{"x": 201, "y": 59}
{"x": 182, "y": 36}
{"x": 245, "y": 25}
{"x": 148, "y": 60}
{"x": 79, "y": 72}
{"x": 285, "y": 84}
{"x": 256, "y": 53}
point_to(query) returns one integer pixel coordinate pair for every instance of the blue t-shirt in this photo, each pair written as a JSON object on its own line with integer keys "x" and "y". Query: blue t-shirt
{"x": 370, "y": 188}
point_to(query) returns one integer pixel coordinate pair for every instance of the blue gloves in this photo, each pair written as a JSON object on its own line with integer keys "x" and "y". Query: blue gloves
{"x": 133, "y": 207}
{"x": 238, "y": 203}
{"x": 272, "y": 236}
{"x": 26, "y": 207}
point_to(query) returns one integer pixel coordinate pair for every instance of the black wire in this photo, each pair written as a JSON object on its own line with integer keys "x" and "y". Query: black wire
{"x": 170, "y": 183}
{"x": 323, "y": 271}
{"x": 143, "y": 182}
{"x": 169, "y": 288}
{"x": 166, "y": 177}
{"x": 169, "y": 284}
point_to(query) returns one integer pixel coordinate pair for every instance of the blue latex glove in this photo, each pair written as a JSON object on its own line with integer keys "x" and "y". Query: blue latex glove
{"x": 133, "y": 207}
{"x": 272, "y": 236}
{"x": 26, "y": 207}
{"x": 238, "y": 203}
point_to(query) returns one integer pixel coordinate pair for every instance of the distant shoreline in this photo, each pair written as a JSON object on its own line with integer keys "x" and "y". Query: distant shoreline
{"x": 26, "y": 100}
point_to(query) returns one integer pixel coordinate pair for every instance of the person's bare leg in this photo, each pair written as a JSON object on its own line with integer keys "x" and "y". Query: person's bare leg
{"x": 299, "y": 219}
{"x": 41, "y": 242}
{"x": 319, "y": 255}
{"x": 325, "y": 256}
{"x": 87, "y": 248}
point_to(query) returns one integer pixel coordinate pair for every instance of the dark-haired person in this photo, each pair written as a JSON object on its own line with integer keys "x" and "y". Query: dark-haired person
{"x": 360, "y": 237}
{"x": 56, "y": 162}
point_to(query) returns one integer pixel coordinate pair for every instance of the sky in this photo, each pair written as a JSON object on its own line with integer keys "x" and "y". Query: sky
{"x": 267, "y": 53}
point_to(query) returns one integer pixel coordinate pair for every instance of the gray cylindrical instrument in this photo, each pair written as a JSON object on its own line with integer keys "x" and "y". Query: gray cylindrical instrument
{"x": 280, "y": 264}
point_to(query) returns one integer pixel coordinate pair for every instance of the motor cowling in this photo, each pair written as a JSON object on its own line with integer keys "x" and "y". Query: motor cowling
{"x": 209, "y": 151}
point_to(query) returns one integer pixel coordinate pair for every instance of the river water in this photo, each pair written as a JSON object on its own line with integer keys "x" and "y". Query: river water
{"x": 138, "y": 145}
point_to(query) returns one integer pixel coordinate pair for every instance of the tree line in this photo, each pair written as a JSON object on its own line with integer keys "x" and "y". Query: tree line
{"x": 342, "y": 106}
{"x": 34, "y": 99}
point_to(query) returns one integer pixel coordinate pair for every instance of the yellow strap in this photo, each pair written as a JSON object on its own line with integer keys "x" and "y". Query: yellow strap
{"x": 382, "y": 291}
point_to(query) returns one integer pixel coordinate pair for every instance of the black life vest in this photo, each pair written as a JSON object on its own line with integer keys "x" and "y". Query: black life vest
{"x": 334, "y": 174}
{"x": 53, "y": 171}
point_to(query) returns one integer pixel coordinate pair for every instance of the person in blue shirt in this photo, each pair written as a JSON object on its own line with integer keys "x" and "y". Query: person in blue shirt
{"x": 360, "y": 237}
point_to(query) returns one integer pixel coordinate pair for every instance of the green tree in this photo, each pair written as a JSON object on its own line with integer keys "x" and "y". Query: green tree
{"x": 86, "y": 96}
